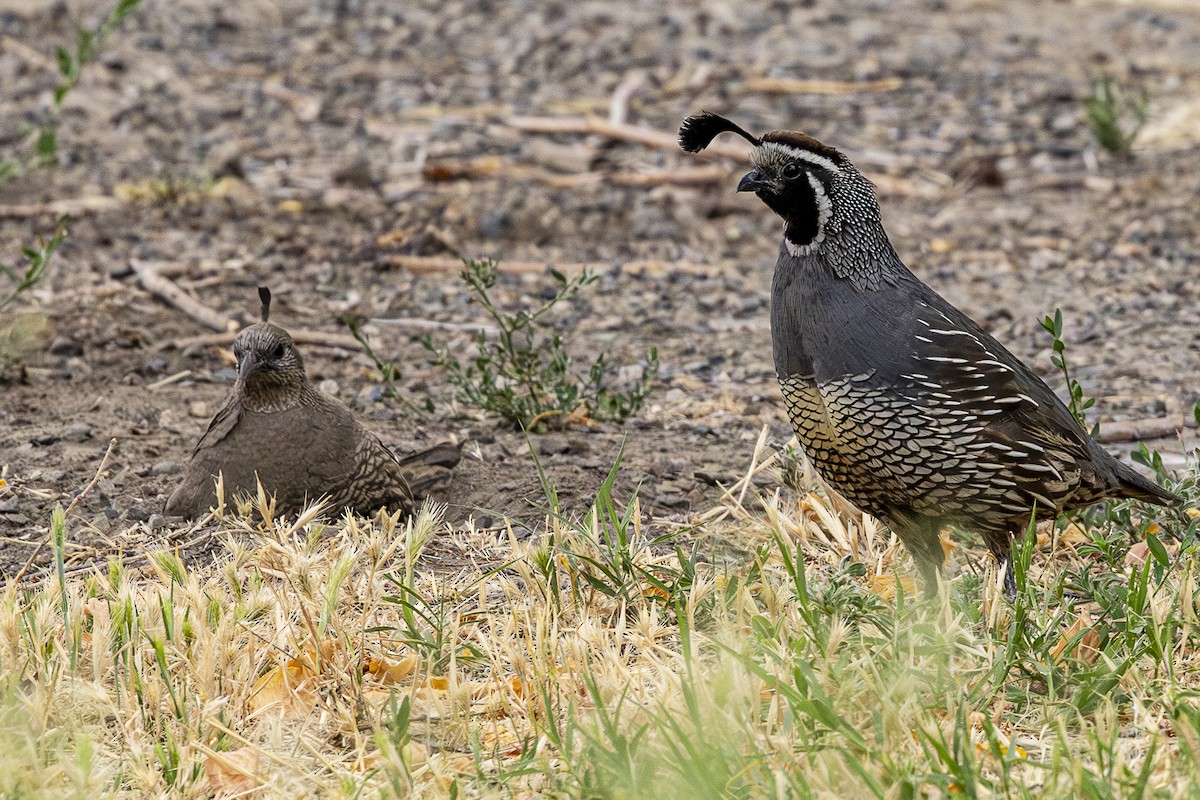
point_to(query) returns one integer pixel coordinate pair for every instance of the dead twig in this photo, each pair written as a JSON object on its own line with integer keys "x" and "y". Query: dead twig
{"x": 154, "y": 282}
{"x": 1135, "y": 429}
{"x": 417, "y": 324}
{"x": 618, "y": 107}
{"x": 623, "y": 132}
{"x": 432, "y": 264}
{"x": 663, "y": 177}
{"x": 60, "y": 208}
{"x": 801, "y": 86}
{"x": 28, "y": 54}
{"x": 492, "y": 167}
{"x": 167, "y": 381}
{"x": 886, "y": 184}
{"x": 305, "y": 107}
{"x": 305, "y": 337}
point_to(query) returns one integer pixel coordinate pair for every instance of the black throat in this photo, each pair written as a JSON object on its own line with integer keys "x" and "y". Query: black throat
{"x": 799, "y": 208}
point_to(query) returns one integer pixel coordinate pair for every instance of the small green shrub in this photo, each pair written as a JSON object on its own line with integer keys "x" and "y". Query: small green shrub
{"x": 1116, "y": 119}
{"x": 1077, "y": 403}
{"x": 40, "y": 148}
{"x": 524, "y": 374}
{"x": 37, "y": 257}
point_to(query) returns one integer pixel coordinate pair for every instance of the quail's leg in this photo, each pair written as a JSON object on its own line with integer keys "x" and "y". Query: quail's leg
{"x": 922, "y": 536}
{"x": 1010, "y": 581}
{"x": 931, "y": 576}
{"x": 1000, "y": 543}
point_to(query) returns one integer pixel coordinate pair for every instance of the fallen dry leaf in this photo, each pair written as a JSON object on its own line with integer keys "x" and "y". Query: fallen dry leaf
{"x": 392, "y": 672}
{"x": 291, "y": 685}
{"x": 1071, "y": 535}
{"x": 233, "y": 774}
{"x": 1086, "y": 649}
{"x": 885, "y": 586}
{"x": 1137, "y": 554}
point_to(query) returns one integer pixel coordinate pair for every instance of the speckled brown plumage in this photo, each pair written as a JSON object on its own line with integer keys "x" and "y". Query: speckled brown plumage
{"x": 301, "y": 443}
{"x": 902, "y": 403}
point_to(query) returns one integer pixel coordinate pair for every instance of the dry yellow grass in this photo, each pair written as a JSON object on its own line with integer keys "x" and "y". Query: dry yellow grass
{"x": 402, "y": 658}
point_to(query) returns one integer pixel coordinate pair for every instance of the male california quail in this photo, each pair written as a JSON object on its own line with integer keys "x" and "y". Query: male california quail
{"x": 904, "y": 405}
{"x": 300, "y": 442}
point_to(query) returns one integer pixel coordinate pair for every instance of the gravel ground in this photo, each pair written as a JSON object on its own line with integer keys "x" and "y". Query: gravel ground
{"x": 319, "y": 148}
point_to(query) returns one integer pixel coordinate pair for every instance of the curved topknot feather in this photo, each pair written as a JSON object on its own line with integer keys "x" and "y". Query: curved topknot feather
{"x": 698, "y": 131}
{"x": 264, "y": 294}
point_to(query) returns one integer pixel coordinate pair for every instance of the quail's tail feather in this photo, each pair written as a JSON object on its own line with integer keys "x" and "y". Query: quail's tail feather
{"x": 1138, "y": 487}
{"x": 429, "y": 470}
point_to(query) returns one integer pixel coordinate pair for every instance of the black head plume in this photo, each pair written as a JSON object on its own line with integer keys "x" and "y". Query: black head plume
{"x": 699, "y": 130}
{"x": 264, "y": 294}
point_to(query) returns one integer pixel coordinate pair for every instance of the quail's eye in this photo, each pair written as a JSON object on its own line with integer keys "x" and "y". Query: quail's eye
{"x": 791, "y": 171}
{"x": 279, "y": 350}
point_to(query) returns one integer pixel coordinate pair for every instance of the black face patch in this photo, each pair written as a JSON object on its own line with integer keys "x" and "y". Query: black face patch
{"x": 798, "y": 205}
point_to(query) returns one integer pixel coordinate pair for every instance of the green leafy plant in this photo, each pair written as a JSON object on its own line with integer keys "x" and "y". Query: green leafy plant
{"x": 605, "y": 554}
{"x": 387, "y": 370}
{"x": 37, "y": 257}
{"x": 524, "y": 374}
{"x": 1115, "y": 118}
{"x": 1077, "y": 403}
{"x": 41, "y": 146}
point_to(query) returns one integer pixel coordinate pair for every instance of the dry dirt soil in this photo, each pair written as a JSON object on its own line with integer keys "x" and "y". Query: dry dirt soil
{"x": 323, "y": 148}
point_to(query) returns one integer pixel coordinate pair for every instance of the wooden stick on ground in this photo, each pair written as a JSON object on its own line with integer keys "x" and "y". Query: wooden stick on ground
{"x": 885, "y": 184}
{"x": 618, "y": 108}
{"x": 1135, "y": 429}
{"x": 304, "y": 337}
{"x": 431, "y": 264}
{"x": 417, "y": 324}
{"x": 684, "y": 176}
{"x": 60, "y": 208}
{"x": 624, "y": 132}
{"x": 799, "y": 86}
{"x": 156, "y": 284}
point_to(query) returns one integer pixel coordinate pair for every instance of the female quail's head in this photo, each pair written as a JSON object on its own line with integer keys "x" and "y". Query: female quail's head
{"x": 270, "y": 371}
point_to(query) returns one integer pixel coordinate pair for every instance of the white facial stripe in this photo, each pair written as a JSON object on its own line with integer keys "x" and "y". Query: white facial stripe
{"x": 824, "y": 211}
{"x": 776, "y": 152}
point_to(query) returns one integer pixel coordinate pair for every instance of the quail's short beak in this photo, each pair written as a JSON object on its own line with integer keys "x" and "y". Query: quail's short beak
{"x": 247, "y": 366}
{"x": 752, "y": 182}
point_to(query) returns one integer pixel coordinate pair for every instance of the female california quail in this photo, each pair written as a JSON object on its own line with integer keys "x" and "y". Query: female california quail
{"x": 904, "y": 405}
{"x": 299, "y": 442}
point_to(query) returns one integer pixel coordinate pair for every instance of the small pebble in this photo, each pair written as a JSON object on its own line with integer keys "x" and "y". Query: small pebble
{"x": 9, "y": 504}
{"x": 137, "y": 515}
{"x": 198, "y": 408}
{"x": 78, "y": 432}
{"x": 329, "y": 386}
{"x": 166, "y": 468}
{"x": 65, "y": 346}
{"x": 157, "y": 364}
